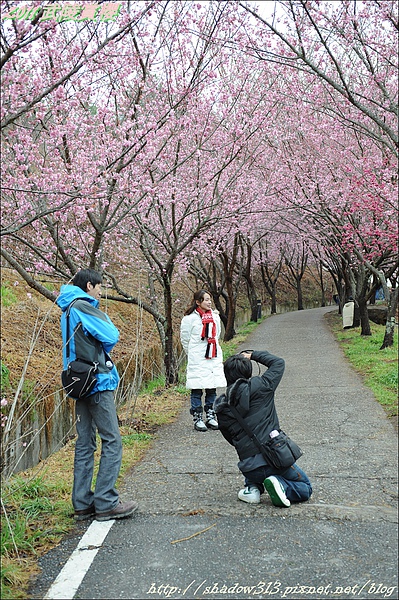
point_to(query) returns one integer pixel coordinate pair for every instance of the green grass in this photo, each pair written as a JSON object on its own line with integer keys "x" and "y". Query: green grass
{"x": 378, "y": 367}
{"x": 8, "y": 298}
{"x": 36, "y": 516}
{"x": 131, "y": 439}
{"x": 5, "y": 377}
{"x": 154, "y": 385}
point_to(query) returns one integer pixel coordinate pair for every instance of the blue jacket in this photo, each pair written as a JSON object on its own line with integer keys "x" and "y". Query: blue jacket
{"x": 94, "y": 334}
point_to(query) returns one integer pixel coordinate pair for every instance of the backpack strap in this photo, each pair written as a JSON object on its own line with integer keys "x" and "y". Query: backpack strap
{"x": 69, "y": 336}
{"x": 67, "y": 328}
{"x": 247, "y": 430}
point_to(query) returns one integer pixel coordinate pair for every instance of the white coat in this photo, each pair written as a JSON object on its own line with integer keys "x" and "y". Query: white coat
{"x": 202, "y": 373}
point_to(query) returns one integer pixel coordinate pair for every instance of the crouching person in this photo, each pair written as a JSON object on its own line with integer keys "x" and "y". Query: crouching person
{"x": 253, "y": 398}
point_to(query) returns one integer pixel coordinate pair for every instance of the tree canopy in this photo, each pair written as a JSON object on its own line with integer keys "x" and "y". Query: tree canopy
{"x": 182, "y": 134}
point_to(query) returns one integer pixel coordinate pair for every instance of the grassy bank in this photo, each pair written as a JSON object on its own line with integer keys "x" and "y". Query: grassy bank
{"x": 379, "y": 368}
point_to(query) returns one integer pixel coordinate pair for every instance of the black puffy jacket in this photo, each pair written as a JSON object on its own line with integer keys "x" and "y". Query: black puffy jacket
{"x": 254, "y": 400}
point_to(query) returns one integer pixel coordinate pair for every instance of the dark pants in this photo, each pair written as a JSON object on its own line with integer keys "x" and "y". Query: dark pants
{"x": 196, "y": 400}
{"x": 98, "y": 413}
{"x": 295, "y": 481}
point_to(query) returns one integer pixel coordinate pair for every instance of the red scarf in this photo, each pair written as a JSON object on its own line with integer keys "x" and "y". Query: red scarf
{"x": 208, "y": 332}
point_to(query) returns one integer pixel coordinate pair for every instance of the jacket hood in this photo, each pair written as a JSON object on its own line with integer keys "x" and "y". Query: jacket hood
{"x": 69, "y": 293}
{"x": 237, "y": 394}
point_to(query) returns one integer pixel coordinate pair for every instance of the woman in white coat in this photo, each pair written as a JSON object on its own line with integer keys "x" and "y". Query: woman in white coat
{"x": 199, "y": 334}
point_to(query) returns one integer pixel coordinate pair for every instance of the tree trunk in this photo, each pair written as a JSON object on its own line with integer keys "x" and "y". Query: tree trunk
{"x": 392, "y": 300}
{"x": 230, "y": 331}
{"x": 361, "y": 276}
{"x": 296, "y": 264}
{"x": 271, "y": 290}
{"x": 356, "y": 316}
{"x": 274, "y": 301}
{"x": 171, "y": 374}
{"x": 391, "y": 320}
{"x": 253, "y": 299}
{"x": 364, "y": 317}
{"x": 229, "y": 327}
{"x": 254, "y": 309}
{"x": 228, "y": 270}
{"x": 251, "y": 291}
{"x": 171, "y": 371}
{"x": 299, "y": 294}
{"x": 218, "y": 305}
{"x": 323, "y": 291}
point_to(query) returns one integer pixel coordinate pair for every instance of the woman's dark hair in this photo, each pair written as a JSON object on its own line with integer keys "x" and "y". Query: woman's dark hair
{"x": 85, "y": 276}
{"x": 237, "y": 367}
{"x": 198, "y": 296}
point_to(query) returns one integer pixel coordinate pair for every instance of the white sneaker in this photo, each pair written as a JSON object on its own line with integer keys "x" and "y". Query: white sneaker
{"x": 250, "y": 495}
{"x": 199, "y": 424}
{"x": 211, "y": 420}
{"x": 276, "y": 491}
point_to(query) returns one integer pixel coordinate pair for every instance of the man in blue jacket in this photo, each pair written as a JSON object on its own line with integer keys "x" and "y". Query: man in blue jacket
{"x": 92, "y": 335}
{"x": 253, "y": 398}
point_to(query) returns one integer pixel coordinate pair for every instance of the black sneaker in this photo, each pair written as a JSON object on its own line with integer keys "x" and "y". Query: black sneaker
{"x": 121, "y": 510}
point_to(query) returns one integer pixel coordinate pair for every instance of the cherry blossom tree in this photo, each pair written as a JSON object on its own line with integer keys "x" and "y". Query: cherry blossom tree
{"x": 344, "y": 54}
{"x": 50, "y": 76}
{"x": 341, "y": 49}
{"x": 150, "y": 143}
{"x": 22, "y": 92}
{"x": 341, "y": 192}
{"x": 205, "y": 143}
{"x": 113, "y": 144}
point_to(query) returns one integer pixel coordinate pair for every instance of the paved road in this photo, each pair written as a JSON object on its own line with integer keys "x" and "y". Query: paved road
{"x": 192, "y": 537}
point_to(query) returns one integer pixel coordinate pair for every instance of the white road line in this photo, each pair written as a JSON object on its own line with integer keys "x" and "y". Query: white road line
{"x": 71, "y": 576}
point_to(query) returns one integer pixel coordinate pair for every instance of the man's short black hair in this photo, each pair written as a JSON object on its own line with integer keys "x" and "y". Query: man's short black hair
{"x": 85, "y": 276}
{"x": 237, "y": 367}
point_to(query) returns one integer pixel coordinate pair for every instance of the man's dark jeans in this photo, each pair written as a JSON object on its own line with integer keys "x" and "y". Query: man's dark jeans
{"x": 97, "y": 413}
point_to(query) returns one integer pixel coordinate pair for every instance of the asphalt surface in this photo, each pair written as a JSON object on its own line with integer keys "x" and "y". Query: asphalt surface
{"x": 192, "y": 537}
